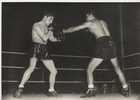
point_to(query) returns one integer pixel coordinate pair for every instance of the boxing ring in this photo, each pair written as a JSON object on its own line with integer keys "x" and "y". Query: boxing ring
{"x": 107, "y": 94}
{"x": 71, "y": 78}
{"x": 104, "y": 84}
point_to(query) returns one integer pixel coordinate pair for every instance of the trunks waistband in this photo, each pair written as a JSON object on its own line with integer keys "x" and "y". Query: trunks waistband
{"x": 104, "y": 38}
{"x": 34, "y": 43}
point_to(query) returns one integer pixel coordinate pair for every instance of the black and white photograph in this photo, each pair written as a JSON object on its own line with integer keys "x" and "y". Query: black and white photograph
{"x": 70, "y": 51}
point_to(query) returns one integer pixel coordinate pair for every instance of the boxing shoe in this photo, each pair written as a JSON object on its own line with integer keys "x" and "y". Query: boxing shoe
{"x": 18, "y": 93}
{"x": 126, "y": 91}
{"x": 52, "y": 94}
{"x": 89, "y": 93}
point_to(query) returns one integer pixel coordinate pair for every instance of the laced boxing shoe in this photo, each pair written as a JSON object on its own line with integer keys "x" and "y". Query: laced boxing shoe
{"x": 52, "y": 94}
{"x": 126, "y": 91}
{"x": 89, "y": 93}
{"x": 18, "y": 93}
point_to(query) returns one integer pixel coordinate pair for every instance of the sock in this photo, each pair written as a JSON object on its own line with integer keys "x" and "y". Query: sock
{"x": 51, "y": 89}
{"x": 125, "y": 86}
{"x": 20, "y": 86}
{"x": 90, "y": 86}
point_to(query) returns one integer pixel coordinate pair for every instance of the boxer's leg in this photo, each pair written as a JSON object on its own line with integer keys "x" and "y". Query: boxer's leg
{"x": 92, "y": 66}
{"x": 26, "y": 76}
{"x": 121, "y": 76}
{"x": 49, "y": 64}
{"x": 28, "y": 72}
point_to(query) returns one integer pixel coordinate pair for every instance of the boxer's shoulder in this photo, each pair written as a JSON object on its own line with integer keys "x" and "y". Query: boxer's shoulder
{"x": 88, "y": 23}
{"x": 103, "y": 22}
{"x": 37, "y": 25}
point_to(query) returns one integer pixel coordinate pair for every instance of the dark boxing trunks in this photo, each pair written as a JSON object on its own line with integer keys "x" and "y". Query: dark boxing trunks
{"x": 40, "y": 51}
{"x": 105, "y": 48}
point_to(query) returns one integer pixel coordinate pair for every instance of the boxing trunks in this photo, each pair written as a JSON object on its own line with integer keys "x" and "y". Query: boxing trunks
{"x": 105, "y": 48}
{"x": 39, "y": 51}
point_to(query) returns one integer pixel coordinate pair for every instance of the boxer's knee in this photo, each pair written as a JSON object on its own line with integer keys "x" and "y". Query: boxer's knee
{"x": 31, "y": 69}
{"x": 32, "y": 65}
{"x": 89, "y": 70}
{"x": 50, "y": 66}
{"x": 54, "y": 72}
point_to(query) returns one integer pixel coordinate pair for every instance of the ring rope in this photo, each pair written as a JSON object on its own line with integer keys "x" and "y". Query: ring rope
{"x": 16, "y": 67}
{"x": 53, "y": 55}
{"x": 14, "y": 81}
{"x": 133, "y": 54}
{"x": 80, "y": 69}
{"x": 132, "y": 68}
{"x": 56, "y": 55}
{"x": 134, "y": 81}
{"x": 76, "y": 69}
{"x": 18, "y": 53}
{"x": 70, "y": 56}
{"x": 68, "y": 82}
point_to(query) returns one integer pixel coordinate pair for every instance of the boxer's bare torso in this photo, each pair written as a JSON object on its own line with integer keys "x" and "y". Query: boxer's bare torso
{"x": 96, "y": 27}
{"x": 41, "y": 33}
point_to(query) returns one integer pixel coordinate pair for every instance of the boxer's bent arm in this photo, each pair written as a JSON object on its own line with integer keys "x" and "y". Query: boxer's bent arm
{"x": 52, "y": 38}
{"x": 105, "y": 27}
{"x": 76, "y": 28}
{"x": 37, "y": 30}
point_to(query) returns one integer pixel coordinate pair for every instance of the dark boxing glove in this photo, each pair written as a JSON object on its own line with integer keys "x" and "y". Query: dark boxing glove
{"x": 61, "y": 36}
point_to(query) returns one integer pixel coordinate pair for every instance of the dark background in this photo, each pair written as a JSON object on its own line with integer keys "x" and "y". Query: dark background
{"x": 18, "y": 18}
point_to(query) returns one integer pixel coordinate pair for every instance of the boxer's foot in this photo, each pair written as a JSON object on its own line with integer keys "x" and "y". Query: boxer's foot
{"x": 89, "y": 93}
{"x": 126, "y": 91}
{"x": 18, "y": 93}
{"x": 52, "y": 94}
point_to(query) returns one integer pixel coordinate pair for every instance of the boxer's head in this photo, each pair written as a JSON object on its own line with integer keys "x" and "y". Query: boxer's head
{"x": 48, "y": 18}
{"x": 90, "y": 15}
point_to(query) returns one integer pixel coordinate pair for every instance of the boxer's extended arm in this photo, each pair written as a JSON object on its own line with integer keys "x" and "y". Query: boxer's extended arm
{"x": 105, "y": 27}
{"x": 76, "y": 28}
{"x": 37, "y": 30}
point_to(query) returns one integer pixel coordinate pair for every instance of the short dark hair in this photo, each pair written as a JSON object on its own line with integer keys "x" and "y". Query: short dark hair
{"x": 91, "y": 11}
{"x": 48, "y": 13}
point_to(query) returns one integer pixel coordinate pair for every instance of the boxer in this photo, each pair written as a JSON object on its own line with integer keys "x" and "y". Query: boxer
{"x": 105, "y": 50}
{"x": 42, "y": 31}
